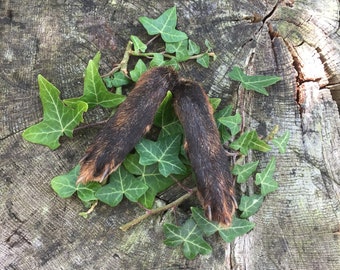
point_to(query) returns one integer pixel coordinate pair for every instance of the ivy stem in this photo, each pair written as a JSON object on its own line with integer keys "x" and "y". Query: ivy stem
{"x": 158, "y": 210}
{"x": 123, "y": 64}
{"x": 89, "y": 211}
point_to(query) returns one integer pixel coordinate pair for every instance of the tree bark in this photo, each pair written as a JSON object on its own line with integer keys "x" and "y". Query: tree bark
{"x": 298, "y": 226}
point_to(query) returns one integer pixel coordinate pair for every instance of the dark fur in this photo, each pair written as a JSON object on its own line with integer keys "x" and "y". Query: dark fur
{"x": 131, "y": 121}
{"x": 207, "y": 156}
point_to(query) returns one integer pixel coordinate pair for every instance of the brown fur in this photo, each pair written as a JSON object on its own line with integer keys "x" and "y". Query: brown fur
{"x": 132, "y": 119}
{"x": 207, "y": 156}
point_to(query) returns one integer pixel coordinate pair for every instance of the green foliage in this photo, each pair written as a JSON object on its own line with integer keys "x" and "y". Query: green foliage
{"x": 237, "y": 228}
{"x": 59, "y": 117}
{"x": 256, "y": 83}
{"x": 95, "y": 92}
{"x": 150, "y": 176}
{"x": 281, "y": 142}
{"x": 265, "y": 179}
{"x": 158, "y": 164}
{"x": 243, "y": 172}
{"x": 165, "y": 152}
{"x": 121, "y": 183}
{"x": 188, "y": 235}
{"x": 165, "y": 25}
{"x": 249, "y": 205}
{"x": 249, "y": 140}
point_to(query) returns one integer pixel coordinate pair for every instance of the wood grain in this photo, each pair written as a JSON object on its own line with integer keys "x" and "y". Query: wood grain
{"x": 297, "y": 227}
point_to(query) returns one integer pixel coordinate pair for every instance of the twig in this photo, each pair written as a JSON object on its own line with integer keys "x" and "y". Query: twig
{"x": 123, "y": 64}
{"x": 90, "y": 210}
{"x": 158, "y": 210}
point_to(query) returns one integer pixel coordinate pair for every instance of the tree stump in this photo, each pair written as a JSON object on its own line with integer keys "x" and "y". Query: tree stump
{"x": 298, "y": 226}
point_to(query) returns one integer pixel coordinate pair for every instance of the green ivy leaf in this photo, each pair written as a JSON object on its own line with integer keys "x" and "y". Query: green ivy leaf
{"x": 164, "y": 151}
{"x": 187, "y": 235}
{"x": 95, "y": 92}
{"x": 249, "y": 205}
{"x": 242, "y": 143}
{"x": 208, "y": 45}
{"x": 265, "y": 179}
{"x": 208, "y": 227}
{"x": 233, "y": 122}
{"x": 238, "y": 227}
{"x": 65, "y": 185}
{"x": 96, "y": 59}
{"x": 225, "y": 112}
{"x": 180, "y": 48}
{"x": 249, "y": 140}
{"x": 150, "y": 176}
{"x": 139, "y": 69}
{"x": 165, "y": 25}
{"x": 215, "y": 102}
{"x": 138, "y": 45}
{"x": 243, "y": 172}
{"x": 193, "y": 48}
{"x": 87, "y": 192}
{"x": 256, "y": 83}
{"x": 204, "y": 60}
{"x": 119, "y": 79}
{"x": 166, "y": 118}
{"x": 157, "y": 60}
{"x": 259, "y": 145}
{"x": 121, "y": 183}
{"x": 58, "y": 119}
{"x": 281, "y": 142}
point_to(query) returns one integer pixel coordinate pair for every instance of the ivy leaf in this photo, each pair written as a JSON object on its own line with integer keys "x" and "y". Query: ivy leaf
{"x": 65, "y": 185}
{"x": 165, "y": 25}
{"x": 256, "y": 83}
{"x": 121, "y": 183}
{"x": 242, "y": 143}
{"x": 237, "y": 228}
{"x": 188, "y": 235}
{"x": 233, "y": 122}
{"x": 96, "y": 59}
{"x": 87, "y": 192}
{"x": 265, "y": 179}
{"x": 249, "y": 140}
{"x": 193, "y": 48}
{"x": 208, "y": 227}
{"x": 225, "y": 112}
{"x": 180, "y": 48}
{"x": 208, "y": 45}
{"x": 204, "y": 60}
{"x": 157, "y": 60}
{"x": 138, "y": 45}
{"x": 214, "y": 102}
{"x": 249, "y": 205}
{"x": 243, "y": 172}
{"x": 95, "y": 92}
{"x": 166, "y": 118}
{"x": 164, "y": 151}
{"x": 281, "y": 142}
{"x": 58, "y": 119}
{"x": 259, "y": 145}
{"x": 150, "y": 176}
{"x": 118, "y": 80}
{"x": 139, "y": 69}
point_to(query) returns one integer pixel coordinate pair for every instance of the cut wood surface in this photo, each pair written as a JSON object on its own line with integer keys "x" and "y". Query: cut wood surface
{"x": 298, "y": 226}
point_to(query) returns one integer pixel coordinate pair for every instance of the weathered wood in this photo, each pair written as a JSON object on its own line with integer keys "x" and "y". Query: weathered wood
{"x": 298, "y": 226}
